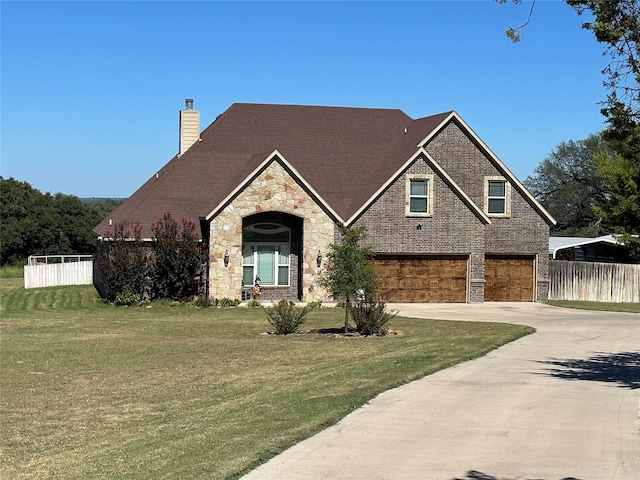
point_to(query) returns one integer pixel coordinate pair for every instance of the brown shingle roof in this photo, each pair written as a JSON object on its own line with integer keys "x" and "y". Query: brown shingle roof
{"x": 344, "y": 154}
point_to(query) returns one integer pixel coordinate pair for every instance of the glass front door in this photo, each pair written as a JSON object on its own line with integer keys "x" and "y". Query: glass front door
{"x": 266, "y": 252}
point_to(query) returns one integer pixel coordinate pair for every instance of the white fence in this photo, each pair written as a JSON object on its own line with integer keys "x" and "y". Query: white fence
{"x": 596, "y": 282}
{"x": 53, "y": 270}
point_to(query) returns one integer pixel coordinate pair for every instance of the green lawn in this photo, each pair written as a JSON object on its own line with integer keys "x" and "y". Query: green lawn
{"x": 90, "y": 390}
{"x": 600, "y": 306}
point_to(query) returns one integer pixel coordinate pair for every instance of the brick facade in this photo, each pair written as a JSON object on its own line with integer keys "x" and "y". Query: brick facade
{"x": 451, "y": 229}
{"x": 525, "y": 232}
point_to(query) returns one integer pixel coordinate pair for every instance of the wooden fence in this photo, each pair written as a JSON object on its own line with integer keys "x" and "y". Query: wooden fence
{"x": 596, "y": 282}
{"x": 53, "y": 270}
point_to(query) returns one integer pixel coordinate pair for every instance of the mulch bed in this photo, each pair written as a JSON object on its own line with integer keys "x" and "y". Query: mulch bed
{"x": 339, "y": 333}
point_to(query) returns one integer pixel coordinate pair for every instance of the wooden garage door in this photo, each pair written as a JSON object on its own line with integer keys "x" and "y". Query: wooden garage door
{"x": 509, "y": 278}
{"x": 422, "y": 279}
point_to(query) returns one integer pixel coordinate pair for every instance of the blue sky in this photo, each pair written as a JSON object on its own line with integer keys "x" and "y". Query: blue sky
{"x": 90, "y": 91}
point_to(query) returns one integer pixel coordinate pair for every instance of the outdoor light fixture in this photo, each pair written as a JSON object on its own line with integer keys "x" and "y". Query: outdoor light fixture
{"x": 319, "y": 258}
{"x": 226, "y": 258}
{"x": 419, "y": 226}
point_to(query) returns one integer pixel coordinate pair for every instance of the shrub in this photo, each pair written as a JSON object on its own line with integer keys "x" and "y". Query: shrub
{"x": 127, "y": 299}
{"x": 253, "y": 303}
{"x": 286, "y": 317}
{"x": 171, "y": 267}
{"x": 316, "y": 304}
{"x": 122, "y": 262}
{"x": 178, "y": 257}
{"x": 371, "y": 317}
{"x": 200, "y": 301}
{"x": 226, "y": 302}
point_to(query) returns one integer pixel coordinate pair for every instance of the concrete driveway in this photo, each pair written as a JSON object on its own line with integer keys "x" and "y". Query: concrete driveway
{"x": 562, "y": 403}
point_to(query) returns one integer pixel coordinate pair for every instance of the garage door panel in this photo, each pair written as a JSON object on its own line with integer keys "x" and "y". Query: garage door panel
{"x": 421, "y": 279}
{"x": 509, "y": 278}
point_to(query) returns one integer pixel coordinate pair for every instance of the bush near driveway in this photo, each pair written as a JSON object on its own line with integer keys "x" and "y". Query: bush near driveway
{"x": 371, "y": 317}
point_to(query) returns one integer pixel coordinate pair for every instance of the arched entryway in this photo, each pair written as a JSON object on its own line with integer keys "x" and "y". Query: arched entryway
{"x": 272, "y": 251}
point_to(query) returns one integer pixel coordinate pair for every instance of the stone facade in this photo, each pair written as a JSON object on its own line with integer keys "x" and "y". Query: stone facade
{"x": 274, "y": 191}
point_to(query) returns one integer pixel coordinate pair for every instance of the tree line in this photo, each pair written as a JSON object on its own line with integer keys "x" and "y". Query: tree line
{"x": 36, "y": 223}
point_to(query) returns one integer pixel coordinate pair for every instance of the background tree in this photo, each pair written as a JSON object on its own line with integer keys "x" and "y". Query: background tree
{"x": 21, "y": 205}
{"x": 348, "y": 268}
{"x": 569, "y": 186}
{"x": 616, "y": 24}
{"x": 621, "y": 209}
{"x": 178, "y": 255}
{"x": 34, "y": 223}
{"x": 103, "y": 208}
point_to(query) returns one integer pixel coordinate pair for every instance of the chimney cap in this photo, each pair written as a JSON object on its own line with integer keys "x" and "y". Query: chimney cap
{"x": 189, "y": 103}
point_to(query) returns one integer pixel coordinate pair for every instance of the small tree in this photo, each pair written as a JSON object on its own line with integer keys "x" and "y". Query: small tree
{"x": 177, "y": 257}
{"x": 349, "y": 271}
{"x": 123, "y": 262}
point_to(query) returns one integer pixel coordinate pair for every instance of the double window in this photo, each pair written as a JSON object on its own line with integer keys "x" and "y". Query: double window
{"x": 419, "y": 196}
{"x": 266, "y": 253}
{"x": 496, "y": 196}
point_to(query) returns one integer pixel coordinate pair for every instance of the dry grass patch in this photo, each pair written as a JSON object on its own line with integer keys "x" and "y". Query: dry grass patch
{"x": 89, "y": 390}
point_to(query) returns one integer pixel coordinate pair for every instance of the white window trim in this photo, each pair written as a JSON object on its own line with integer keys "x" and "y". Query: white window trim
{"x": 407, "y": 201}
{"x": 507, "y": 195}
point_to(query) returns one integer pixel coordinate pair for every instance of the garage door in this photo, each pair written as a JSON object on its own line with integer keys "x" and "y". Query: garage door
{"x": 422, "y": 279}
{"x": 509, "y": 278}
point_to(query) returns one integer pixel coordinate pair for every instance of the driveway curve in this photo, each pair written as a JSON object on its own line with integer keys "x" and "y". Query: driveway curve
{"x": 562, "y": 403}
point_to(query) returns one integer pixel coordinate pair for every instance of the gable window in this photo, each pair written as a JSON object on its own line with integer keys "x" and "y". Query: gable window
{"x": 266, "y": 252}
{"x": 496, "y": 196}
{"x": 419, "y": 195}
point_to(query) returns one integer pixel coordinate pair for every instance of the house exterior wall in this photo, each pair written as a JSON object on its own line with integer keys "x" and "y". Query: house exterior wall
{"x": 524, "y": 232}
{"x": 451, "y": 229}
{"x": 273, "y": 190}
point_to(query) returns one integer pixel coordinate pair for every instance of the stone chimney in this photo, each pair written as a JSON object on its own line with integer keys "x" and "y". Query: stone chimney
{"x": 189, "y": 126}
